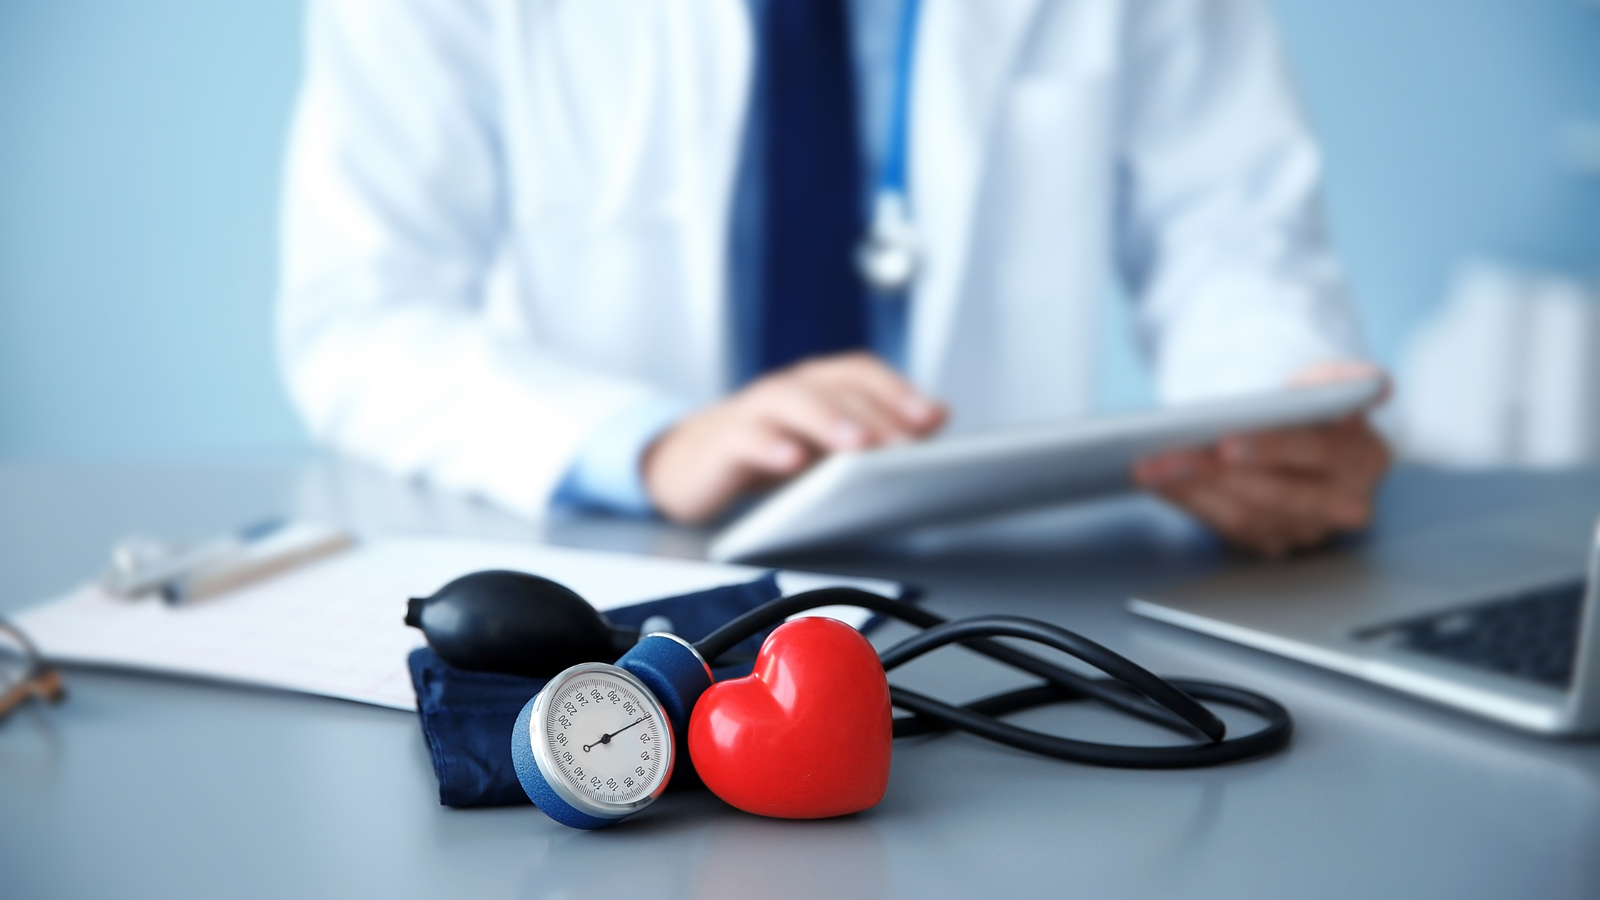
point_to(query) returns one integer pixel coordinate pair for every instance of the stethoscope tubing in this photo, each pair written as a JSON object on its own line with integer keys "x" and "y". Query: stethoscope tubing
{"x": 979, "y": 717}
{"x": 770, "y": 614}
{"x": 892, "y": 171}
{"x": 887, "y": 256}
{"x": 1118, "y": 667}
{"x": 1132, "y": 689}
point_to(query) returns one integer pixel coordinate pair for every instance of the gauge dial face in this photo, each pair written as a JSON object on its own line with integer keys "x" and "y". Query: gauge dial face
{"x": 606, "y": 737}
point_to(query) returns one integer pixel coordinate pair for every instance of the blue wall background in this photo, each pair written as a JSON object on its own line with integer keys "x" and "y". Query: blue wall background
{"x": 140, "y": 146}
{"x": 139, "y": 159}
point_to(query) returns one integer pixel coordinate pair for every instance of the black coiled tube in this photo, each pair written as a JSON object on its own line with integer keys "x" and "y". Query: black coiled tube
{"x": 1130, "y": 689}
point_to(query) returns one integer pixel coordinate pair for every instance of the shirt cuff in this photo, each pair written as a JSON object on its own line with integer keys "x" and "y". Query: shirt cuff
{"x": 606, "y": 473}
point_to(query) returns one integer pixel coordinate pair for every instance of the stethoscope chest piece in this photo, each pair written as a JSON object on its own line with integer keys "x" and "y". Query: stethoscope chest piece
{"x": 888, "y": 258}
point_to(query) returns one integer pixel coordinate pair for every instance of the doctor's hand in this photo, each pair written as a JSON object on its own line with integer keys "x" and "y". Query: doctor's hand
{"x": 777, "y": 427}
{"x": 1276, "y": 492}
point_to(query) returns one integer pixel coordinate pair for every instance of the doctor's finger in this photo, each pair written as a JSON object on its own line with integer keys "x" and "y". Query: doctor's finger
{"x": 846, "y": 384}
{"x": 765, "y": 452}
{"x": 797, "y": 408}
{"x": 1365, "y": 455}
{"x": 1359, "y": 459}
{"x": 1262, "y": 524}
{"x": 888, "y": 389}
{"x": 1351, "y": 453}
{"x": 1314, "y": 448}
{"x": 1276, "y": 530}
{"x": 1225, "y": 513}
{"x": 1174, "y": 467}
{"x": 1297, "y": 498}
{"x": 881, "y": 424}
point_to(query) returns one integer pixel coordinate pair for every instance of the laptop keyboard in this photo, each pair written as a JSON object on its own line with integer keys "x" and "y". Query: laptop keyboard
{"x": 1531, "y": 635}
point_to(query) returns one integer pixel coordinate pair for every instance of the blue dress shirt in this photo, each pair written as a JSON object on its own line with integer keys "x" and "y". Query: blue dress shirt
{"x": 606, "y": 473}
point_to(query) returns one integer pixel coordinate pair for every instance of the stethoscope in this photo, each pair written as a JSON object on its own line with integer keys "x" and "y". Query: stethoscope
{"x": 523, "y": 624}
{"x": 888, "y": 256}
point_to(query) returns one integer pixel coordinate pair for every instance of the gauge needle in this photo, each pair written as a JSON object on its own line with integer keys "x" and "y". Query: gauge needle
{"x": 606, "y": 738}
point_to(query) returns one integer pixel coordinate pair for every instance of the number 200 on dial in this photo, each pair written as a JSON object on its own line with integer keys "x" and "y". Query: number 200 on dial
{"x": 605, "y": 735}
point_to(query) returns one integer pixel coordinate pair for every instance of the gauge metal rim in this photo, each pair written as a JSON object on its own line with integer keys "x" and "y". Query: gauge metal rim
{"x": 687, "y": 646}
{"x": 543, "y": 756}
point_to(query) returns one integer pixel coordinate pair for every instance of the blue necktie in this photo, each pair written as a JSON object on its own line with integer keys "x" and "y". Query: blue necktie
{"x": 812, "y": 299}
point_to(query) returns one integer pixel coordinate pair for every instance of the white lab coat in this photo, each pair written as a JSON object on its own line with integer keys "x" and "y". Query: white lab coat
{"x": 506, "y": 221}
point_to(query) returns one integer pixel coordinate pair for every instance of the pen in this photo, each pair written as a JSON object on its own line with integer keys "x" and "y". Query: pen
{"x": 140, "y": 565}
{"x": 181, "y": 573}
{"x": 255, "y": 557}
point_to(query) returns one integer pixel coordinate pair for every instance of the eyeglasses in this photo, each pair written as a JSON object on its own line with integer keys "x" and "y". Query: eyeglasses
{"x": 23, "y": 675}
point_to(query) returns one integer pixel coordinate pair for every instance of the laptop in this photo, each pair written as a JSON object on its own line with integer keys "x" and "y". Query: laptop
{"x": 1494, "y": 614}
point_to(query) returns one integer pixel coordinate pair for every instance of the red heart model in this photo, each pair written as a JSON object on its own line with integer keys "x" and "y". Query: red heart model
{"x": 807, "y": 735}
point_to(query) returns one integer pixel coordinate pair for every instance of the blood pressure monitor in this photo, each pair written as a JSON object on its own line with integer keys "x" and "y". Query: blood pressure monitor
{"x": 600, "y": 742}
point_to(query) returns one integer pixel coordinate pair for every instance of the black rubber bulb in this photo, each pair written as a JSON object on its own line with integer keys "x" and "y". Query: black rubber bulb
{"x": 516, "y": 623}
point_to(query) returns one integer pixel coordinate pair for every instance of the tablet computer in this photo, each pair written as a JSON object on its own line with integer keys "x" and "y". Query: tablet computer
{"x": 849, "y": 496}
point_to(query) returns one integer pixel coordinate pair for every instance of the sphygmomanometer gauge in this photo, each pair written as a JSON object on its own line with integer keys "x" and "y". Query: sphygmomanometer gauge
{"x": 600, "y": 741}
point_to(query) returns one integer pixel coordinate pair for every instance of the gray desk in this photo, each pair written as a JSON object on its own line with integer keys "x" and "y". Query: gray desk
{"x": 144, "y": 786}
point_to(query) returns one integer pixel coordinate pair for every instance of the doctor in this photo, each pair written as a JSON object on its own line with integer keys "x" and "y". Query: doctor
{"x": 654, "y": 256}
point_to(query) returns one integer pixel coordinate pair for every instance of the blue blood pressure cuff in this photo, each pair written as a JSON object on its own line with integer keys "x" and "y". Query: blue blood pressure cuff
{"x": 467, "y": 716}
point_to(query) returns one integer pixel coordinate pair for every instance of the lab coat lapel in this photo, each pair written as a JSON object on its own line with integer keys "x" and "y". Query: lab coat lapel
{"x": 710, "y": 62}
{"x": 965, "y": 56}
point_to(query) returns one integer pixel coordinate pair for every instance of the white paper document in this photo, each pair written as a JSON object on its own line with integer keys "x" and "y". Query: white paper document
{"x": 335, "y": 627}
